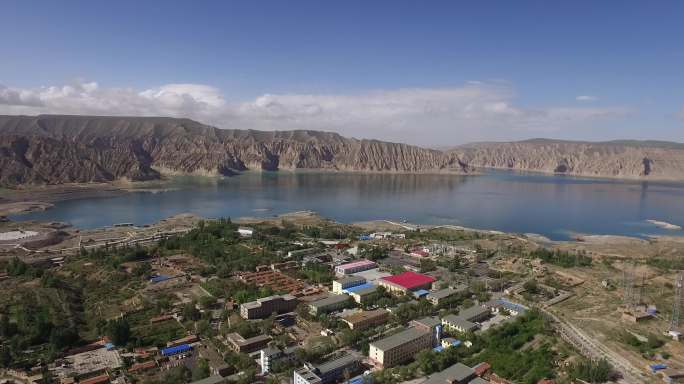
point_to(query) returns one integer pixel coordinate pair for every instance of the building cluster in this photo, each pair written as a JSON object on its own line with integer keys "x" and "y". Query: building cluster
{"x": 351, "y": 299}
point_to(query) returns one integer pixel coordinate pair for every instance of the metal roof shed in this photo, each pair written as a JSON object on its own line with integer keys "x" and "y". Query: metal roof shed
{"x": 175, "y": 350}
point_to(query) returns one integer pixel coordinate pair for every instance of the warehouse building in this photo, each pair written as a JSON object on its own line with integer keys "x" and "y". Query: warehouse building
{"x": 406, "y": 282}
{"x": 366, "y": 319}
{"x": 329, "y": 304}
{"x": 354, "y": 267}
{"x": 265, "y": 307}
{"x": 347, "y": 282}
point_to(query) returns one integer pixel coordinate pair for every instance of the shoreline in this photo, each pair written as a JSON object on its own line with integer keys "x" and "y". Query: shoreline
{"x": 580, "y": 176}
{"x": 618, "y": 247}
{"x": 15, "y": 202}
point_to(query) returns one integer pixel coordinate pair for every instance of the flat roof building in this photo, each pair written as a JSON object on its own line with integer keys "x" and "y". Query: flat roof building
{"x": 347, "y": 282}
{"x": 266, "y": 306}
{"x": 355, "y": 266}
{"x": 456, "y": 374}
{"x": 475, "y": 313}
{"x": 406, "y": 282}
{"x": 241, "y": 345}
{"x": 458, "y": 324}
{"x": 271, "y": 355}
{"x": 366, "y": 319}
{"x": 439, "y": 296}
{"x": 372, "y": 275}
{"x": 363, "y": 293}
{"x": 329, "y": 304}
{"x": 431, "y": 324}
{"x": 400, "y": 347}
{"x": 327, "y": 372}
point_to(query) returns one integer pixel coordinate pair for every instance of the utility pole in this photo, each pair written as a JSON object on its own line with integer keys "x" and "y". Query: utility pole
{"x": 628, "y": 286}
{"x": 677, "y": 305}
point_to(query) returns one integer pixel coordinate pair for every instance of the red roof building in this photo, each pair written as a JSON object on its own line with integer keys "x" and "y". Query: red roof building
{"x": 143, "y": 366}
{"x": 96, "y": 380}
{"x": 482, "y": 368}
{"x": 419, "y": 253}
{"x": 407, "y": 281}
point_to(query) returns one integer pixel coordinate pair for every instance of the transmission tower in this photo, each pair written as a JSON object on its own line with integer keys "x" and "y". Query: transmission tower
{"x": 677, "y": 305}
{"x": 628, "y": 286}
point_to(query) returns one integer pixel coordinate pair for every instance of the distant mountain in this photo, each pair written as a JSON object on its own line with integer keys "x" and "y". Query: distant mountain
{"x": 64, "y": 149}
{"x": 620, "y": 159}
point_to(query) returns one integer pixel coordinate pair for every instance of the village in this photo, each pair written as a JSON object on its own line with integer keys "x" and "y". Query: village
{"x": 317, "y": 302}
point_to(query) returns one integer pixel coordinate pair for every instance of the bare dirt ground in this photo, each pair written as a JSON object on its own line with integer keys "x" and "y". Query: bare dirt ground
{"x": 626, "y": 247}
{"x": 597, "y": 311}
{"x": 297, "y": 218}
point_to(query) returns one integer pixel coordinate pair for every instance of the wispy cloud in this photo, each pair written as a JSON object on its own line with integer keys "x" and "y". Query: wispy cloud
{"x": 474, "y": 111}
{"x": 586, "y": 98}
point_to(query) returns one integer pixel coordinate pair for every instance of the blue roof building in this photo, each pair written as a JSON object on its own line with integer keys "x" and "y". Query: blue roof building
{"x": 513, "y": 307}
{"x": 358, "y": 288}
{"x": 657, "y": 367}
{"x": 159, "y": 279}
{"x": 176, "y": 350}
{"x": 361, "y": 379}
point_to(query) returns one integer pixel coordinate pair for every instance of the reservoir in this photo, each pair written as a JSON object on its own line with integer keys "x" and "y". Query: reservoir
{"x": 557, "y": 207}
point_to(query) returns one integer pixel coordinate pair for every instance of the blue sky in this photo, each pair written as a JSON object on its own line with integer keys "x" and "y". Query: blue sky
{"x": 431, "y": 73}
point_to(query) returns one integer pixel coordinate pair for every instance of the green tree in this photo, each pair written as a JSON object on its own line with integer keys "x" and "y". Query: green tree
{"x": 190, "y": 312}
{"x": 201, "y": 370}
{"x": 119, "y": 331}
{"x": 5, "y": 357}
{"x": 207, "y": 302}
{"x": 16, "y": 267}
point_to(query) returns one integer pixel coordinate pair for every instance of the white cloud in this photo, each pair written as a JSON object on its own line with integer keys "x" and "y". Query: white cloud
{"x": 586, "y": 98}
{"x": 474, "y": 111}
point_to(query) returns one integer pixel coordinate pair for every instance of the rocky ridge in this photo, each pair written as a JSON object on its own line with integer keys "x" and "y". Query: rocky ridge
{"x": 616, "y": 159}
{"x": 57, "y": 149}
{"x": 76, "y": 149}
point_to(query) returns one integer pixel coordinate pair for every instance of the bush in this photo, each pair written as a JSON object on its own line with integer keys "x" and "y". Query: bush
{"x": 592, "y": 372}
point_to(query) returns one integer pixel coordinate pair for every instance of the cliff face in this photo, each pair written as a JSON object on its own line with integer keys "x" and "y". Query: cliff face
{"x": 61, "y": 149}
{"x": 620, "y": 159}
